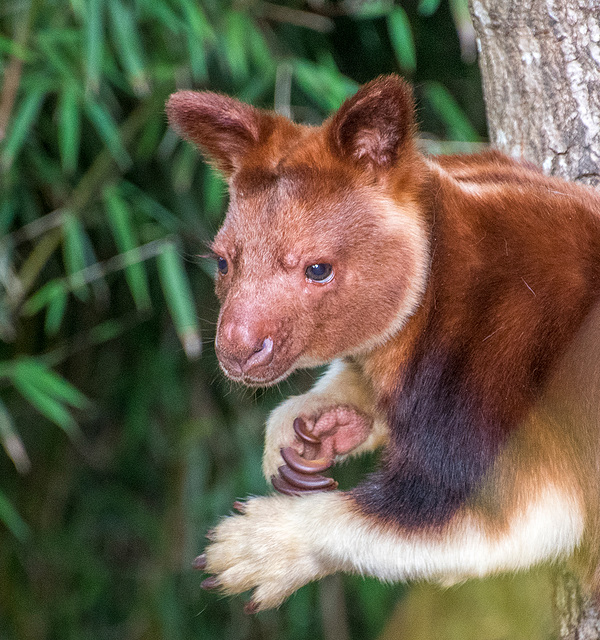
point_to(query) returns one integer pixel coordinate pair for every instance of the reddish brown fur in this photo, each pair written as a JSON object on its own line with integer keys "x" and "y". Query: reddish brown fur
{"x": 461, "y": 284}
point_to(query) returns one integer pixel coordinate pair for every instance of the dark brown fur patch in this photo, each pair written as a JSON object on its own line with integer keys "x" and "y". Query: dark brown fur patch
{"x": 514, "y": 273}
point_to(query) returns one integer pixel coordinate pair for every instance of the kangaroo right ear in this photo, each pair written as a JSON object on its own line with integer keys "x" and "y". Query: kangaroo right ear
{"x": 225, "y": 129}
{"x": 374, "y": 125}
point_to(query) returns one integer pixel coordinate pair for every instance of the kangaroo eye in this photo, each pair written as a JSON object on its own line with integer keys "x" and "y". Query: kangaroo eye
{"x": 322, "y": 272}
{"x": 222, "y": 266}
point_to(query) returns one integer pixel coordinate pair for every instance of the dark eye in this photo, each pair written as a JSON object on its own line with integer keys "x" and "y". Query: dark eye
{"x": 322, "y": 272}
{"x": 222, "y": 266}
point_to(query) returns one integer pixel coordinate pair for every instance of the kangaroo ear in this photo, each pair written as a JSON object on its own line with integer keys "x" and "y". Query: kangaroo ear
{"x": 373, "y": 126}
{"x": 224, "y": 128}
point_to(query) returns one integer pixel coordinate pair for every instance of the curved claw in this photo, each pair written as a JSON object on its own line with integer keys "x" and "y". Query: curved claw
{"x": 303, "y": 434}
{"x": 304, "y": 481}
{"x": 251, "y": 607}
{"x": 283, "y": 486}
{"x": 296, "y": 462}
{"x": 210, "y": 583}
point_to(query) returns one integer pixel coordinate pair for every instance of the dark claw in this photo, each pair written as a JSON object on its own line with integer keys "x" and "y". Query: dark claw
{"x": 251, "y": 607}
{"x": 200, "y": 562}
{"x": 301, "y": 465}
{"x": 239, "y": 506}
{"x": 283, "y": 486}
{"x": 305, "y": 481}
{"x": 210, "y": 583}
{"x": 303, "y": 434}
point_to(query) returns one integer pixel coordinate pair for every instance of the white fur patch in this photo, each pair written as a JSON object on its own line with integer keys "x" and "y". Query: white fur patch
{"x": 550, "y": 527}
{"x": 403, "y": 220}
{"x": 280, "y": 543}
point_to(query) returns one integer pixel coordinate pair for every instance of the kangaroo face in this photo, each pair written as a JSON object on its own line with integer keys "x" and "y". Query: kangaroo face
{"x": 312, "y": 266}
{"x": 323, "y": 251}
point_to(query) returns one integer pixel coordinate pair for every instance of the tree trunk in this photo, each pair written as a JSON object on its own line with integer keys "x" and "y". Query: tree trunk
{"x": 540, "y": 64}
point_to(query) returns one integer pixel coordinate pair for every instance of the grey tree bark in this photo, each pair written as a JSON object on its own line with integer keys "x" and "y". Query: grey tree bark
{"x": 540, "y": 64}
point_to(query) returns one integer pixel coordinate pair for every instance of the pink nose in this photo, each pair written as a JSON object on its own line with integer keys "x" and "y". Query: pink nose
{"x": 242, "y": 348}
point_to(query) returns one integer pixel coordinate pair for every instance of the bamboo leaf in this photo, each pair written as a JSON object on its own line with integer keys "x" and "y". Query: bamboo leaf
{"x": 49, "y": 407}
{"x": 457, "y": 123}
{"x": 15, "y": 49}
{"x": 185, "y": 164}
{"x": 163, "y": 14}
{"x": 22, "y": 124}
{"x": 327, "y": 87}
{"x": 367, "y": 10}
{"x": 47, "y": 42}
{"x": 234, "y": 47}
{"x": 428, "y": 7}
{"x": 74, "y": 243}
{"x": 214, "y": 194}
{"x": 49, "y": 382}
{"x": 109, "y": 132}
{"x": 402, "y": 39}
{"x": 199, "y": 34}
{"x": 94, "y": 43}
{"x": 11, "y": 441}
{"x": 151, "y": 207}
{"x": 12, "y": 520}
{"x": 43, "y": 297}
{"x": 56, "y": 312}
{"x": 178, "y": 295}
{"x": 119, "y": 217}
{"x": 129, "y": 46}
{"x": 69, "y": 127}
{"x": 259, "y": 49}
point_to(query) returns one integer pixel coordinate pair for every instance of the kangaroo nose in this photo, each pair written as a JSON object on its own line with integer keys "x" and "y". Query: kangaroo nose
{"x": 261, "y": 356}
{"x": 242, "y": 348}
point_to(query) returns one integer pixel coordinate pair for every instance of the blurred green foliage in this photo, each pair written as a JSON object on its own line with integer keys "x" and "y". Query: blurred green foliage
{"x": 121, "y": 446}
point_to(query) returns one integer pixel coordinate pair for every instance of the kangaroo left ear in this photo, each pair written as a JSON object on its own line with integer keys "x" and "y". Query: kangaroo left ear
{"x": 225, "y": 129}
{"x": 375, "y": 124}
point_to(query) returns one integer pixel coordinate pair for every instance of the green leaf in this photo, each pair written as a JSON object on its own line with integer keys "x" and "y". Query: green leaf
{"x": 151, "y": 207}
{"x": 109, "y": 132}
{"x": 12, "y": 520}
{"x": 329, "y": 88}
{"x": 428, "y": 7}
{"x": 369, "y": 10}
{"x": 163, "y": 14}
{"x": 16, "y": 49}
{"x": 49, "y": 407}
{"x": 74, "y": 253}
{"x": 8, "y": 209}
{"x": 49, "y": 382}
{"x": 49, "y": 42}
{"x": 119, "y": 217}
{"x": 457, "y": 123}
{"x": 185, "y": 164}
{"x": 12, "y": 443}
{"x": 178, "y": 295}
{"x": 259, "y": 49}
{"x": 129, "y": 46}
{"x": 214, "y": 194}
{"x": 234, "y": 47}
{"x": 22, "y": 123}
{"x": 43, "y": 297}
{"x": 198, "y": 35}
{"x": 94, "y": 43}
{"x": 56, "y": 312}
{"x": 69, "y": 127}
{"x": 402, "y": 39}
